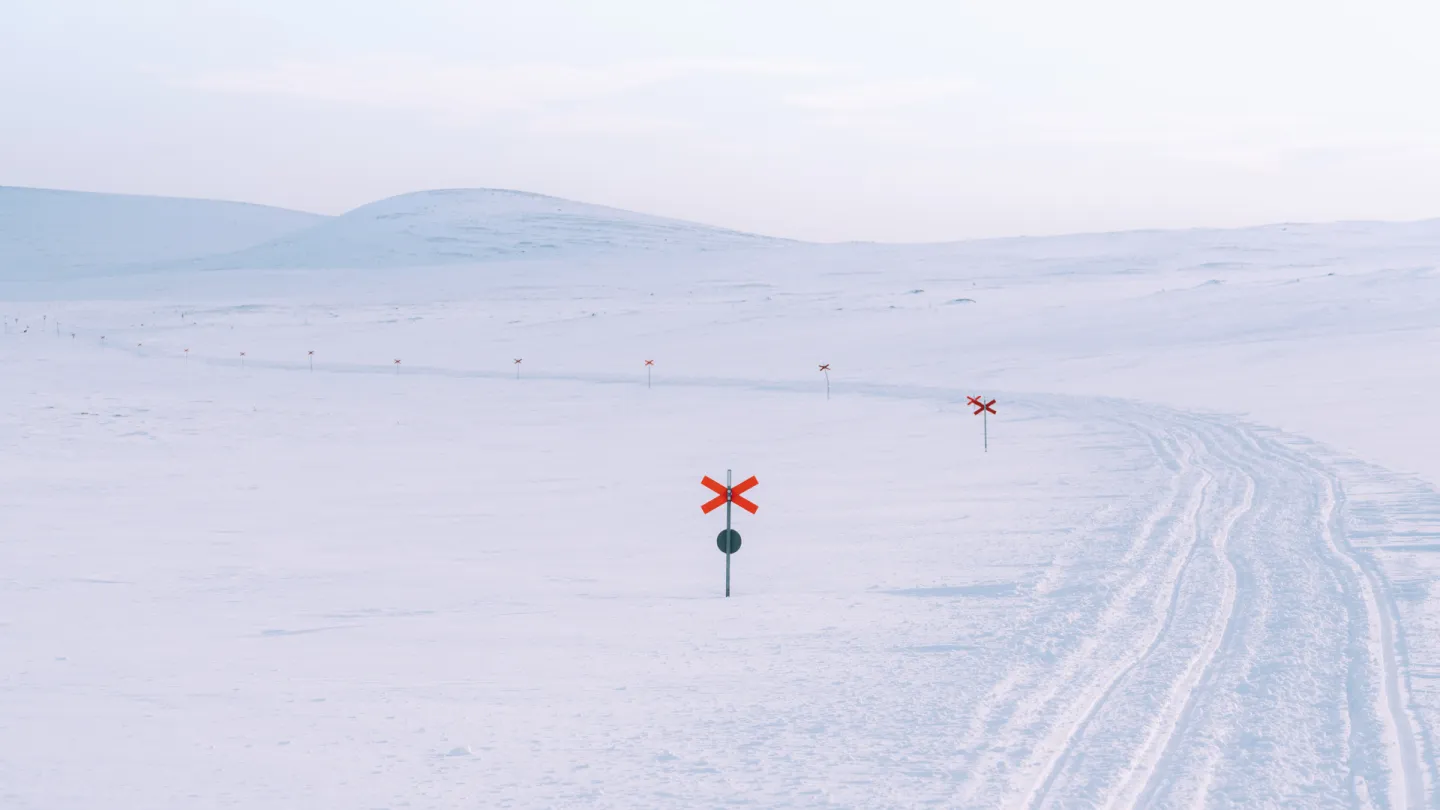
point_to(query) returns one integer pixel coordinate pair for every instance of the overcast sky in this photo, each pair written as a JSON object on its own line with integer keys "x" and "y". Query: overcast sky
{"x": 885, "y": 120}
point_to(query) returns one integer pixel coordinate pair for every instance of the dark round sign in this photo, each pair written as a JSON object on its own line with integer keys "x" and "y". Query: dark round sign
{"x": 730, "y": 538}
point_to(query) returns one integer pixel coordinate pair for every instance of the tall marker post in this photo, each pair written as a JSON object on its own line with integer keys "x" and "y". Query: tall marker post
{"x": 983, "y": 410}
{"x": 517, "y": 368}
{"x": 729, "y": 540}
{"x": 397, "y": 365}
{"x": 242, "y": 359}
{"x": 311, "y": 357}
{"x": 825, "y": 367}
{"x": 649, "y": 364}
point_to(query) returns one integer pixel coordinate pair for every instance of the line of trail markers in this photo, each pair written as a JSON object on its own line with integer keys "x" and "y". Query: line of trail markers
{"x": 983, "y": 410}
{"x": 728, "y": 540}
{"x": 517, "y": 368}
{"x": 648, "y": 365}
{"x": 825, "y": 367}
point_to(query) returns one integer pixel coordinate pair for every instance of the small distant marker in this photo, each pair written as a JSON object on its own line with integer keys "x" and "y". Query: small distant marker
{"x": 397, "y": 365}
{"x": 242, "y": 359}
{"x": 649, "y": 364}
{"x": 311, "y": 357}
{"x": 728, "y": 540}
{"x": 187, "y": 355}
{"x": 517, "y": 368}
{"x": 825, "y": 367}
{"x": 983, "y": 410}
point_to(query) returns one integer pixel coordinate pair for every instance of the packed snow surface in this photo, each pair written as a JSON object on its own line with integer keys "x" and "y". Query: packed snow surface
{"x": 1195, "y": 568}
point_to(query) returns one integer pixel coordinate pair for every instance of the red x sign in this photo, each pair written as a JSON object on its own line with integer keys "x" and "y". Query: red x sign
{"x": 974, "y": 401}
{"x": 732, "y": 494}
{"x": 649, "y": 362}
{"x": 517, "y": 361}
{"x": 982, "y": 407}
{"x": 825, "y": 367}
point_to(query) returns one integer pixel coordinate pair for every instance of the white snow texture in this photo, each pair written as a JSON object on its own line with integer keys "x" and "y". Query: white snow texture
{"x": 285, "y": 525}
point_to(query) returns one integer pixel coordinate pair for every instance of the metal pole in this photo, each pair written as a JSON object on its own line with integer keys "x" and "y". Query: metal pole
{"x": 827, "y": 385}
{"x": 647, "y": 376}
{"x": 728, "y": 544}
{"x": 985, "y": 417}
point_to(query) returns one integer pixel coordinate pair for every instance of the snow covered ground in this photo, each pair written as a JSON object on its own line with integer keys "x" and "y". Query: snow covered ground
{"x": 1194, "y": 568}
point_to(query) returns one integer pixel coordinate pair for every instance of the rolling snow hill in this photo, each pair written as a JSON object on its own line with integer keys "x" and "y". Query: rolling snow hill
{"x": 45, "y": 232}
{"x": 478, "y": 225}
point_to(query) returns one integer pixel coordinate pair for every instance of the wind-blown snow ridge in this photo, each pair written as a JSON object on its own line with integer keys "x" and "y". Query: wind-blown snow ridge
{"x": 476, "y": 225}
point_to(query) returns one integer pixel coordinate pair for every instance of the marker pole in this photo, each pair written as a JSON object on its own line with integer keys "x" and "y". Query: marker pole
{"x": 728, "y": 544}
{"x": 647, "y": 377}
{"x": 827, "y": 385}
{"x": 985, "y": 419}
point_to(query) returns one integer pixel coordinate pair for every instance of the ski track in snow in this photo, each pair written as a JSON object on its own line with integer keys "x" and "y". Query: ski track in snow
{"x": 1216, "y": 643}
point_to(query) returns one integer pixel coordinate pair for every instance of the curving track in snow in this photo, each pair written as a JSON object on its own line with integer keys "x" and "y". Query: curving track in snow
{"x": 1239, "y": 653}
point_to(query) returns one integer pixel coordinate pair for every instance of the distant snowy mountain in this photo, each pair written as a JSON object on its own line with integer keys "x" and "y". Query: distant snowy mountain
{"x": 476, "y": 225}
{"x": 44, "y": 232}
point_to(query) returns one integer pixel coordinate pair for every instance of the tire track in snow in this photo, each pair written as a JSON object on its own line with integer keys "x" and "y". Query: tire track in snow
{"x": 1407, "y": 782}
{"x": 1112, "y": 751}
{"x": 1306, "y": 680}
{"x": 1159, "y": 690}
{"x": 1062, "y": 754}
{"x": 1049, "y": 702}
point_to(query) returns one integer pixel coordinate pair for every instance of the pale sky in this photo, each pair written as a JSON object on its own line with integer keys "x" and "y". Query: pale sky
{"x": 884, "y": 120}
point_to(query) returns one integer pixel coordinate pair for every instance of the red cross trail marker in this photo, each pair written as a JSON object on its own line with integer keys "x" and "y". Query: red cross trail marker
{"x": 517, "y": 368}
{"x": 397, "y": 366}
{"x": 725, "y": 494}
{"x": 825, "y": 367}
{"x": 983, "y": 410}
{"x": 311, "y": 355}
{"x": 648, "y": 364}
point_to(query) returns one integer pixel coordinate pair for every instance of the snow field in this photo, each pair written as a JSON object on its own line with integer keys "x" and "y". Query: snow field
{"x": 440, "y": 586}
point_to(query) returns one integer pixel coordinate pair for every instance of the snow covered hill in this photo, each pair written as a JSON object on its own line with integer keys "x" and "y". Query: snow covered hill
{"x": 479, "y": 225}
{"x": 45, "y": 232}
